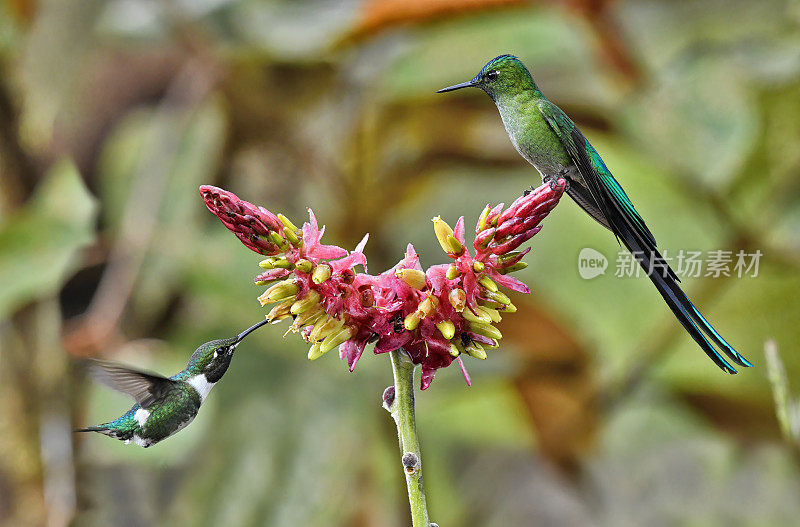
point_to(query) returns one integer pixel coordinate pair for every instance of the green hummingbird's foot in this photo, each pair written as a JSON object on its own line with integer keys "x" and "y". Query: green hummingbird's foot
{"x": 562, "y": 174}
{"x": 552, "y": 181}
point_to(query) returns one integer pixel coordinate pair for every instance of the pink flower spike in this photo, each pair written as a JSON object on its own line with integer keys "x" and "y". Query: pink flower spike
{"x": 244, "y": 219}
{"x": 424, "y": 312}
{"x": 464, "y": 371}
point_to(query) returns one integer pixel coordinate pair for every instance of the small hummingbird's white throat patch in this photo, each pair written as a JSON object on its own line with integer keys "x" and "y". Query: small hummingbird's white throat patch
{"x": 139, "y": 441}
{"x": 201, "y": 385}
{"x": 141, "y": 416}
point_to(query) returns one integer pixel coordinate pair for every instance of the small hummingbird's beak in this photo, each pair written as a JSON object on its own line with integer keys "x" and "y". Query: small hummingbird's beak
{"x": 249, "y": 330}
{"x": 454, "y": 87}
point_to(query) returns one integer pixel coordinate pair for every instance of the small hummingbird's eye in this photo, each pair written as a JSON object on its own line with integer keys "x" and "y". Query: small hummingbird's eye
{"x": 492, "y": 75}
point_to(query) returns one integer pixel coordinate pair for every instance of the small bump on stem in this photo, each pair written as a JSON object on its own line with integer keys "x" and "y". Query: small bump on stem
{"x": 410, "y": 462}
{"x": 388, "y": 398}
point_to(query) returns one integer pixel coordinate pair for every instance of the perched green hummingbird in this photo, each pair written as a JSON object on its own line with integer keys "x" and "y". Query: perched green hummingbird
{"x": 164, "y": 406}
{"x": 549, "y": 140}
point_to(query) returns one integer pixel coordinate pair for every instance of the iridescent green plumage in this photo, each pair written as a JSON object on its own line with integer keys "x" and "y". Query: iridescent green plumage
{"x": 164, "y": 406}
{"x": 548, "y": 139}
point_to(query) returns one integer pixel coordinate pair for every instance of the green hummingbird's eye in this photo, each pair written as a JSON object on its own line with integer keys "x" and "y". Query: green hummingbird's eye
{"x": 492, "y": 75}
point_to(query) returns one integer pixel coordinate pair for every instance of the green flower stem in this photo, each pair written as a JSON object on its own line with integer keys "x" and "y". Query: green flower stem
{"x": 402, "y": 410}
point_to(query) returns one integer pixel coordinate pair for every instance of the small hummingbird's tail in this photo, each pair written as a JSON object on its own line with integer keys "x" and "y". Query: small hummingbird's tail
{"x": 103, "y": 429}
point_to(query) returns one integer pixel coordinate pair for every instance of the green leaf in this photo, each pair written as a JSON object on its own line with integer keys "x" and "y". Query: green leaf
{"x": 39, "y": 245}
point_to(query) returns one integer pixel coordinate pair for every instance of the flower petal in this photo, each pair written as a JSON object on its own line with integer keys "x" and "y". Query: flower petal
{"x": 509, "y": 282}
{"x": 392, "y": 341}
{"x": 464, "y": 371}
{"x": 348, "y": 262}
{"x": 458, "y": 232}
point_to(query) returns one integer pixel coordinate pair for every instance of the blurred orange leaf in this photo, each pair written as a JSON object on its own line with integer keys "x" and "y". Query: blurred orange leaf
{"x": 378, "y": 15}
{"x": 22, "y": 9}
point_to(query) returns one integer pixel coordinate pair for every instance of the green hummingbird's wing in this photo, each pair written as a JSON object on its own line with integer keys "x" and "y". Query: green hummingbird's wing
{"x": 145, "y": 388}
{"x": 629, "y": 227}
{"x": 588, "y": 162}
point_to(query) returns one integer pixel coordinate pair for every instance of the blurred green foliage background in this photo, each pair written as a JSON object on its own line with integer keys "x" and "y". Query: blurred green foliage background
{"x": 596, "y": 411}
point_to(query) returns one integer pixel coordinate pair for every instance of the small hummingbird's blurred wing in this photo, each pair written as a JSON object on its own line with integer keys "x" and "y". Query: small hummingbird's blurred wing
{"x": 145, "y": 388}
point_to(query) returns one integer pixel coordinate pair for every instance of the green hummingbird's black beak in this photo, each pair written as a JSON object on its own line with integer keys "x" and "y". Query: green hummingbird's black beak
{"x": 249, "y": 330}
{"x": 454, "y": 87}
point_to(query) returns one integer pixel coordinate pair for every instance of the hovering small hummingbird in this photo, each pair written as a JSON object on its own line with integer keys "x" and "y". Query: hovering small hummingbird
{"x": 549, "y": 140}
{"x": 164, "y": 406}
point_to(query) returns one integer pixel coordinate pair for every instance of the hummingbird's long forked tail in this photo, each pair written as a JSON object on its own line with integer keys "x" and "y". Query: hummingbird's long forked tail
{"x": 630, "y": 229}
{"x": 642, "y": 246}
{"x": 644, "y": 249}
{"x": 688, "y": 315}
{"x": 663, "y": 277}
